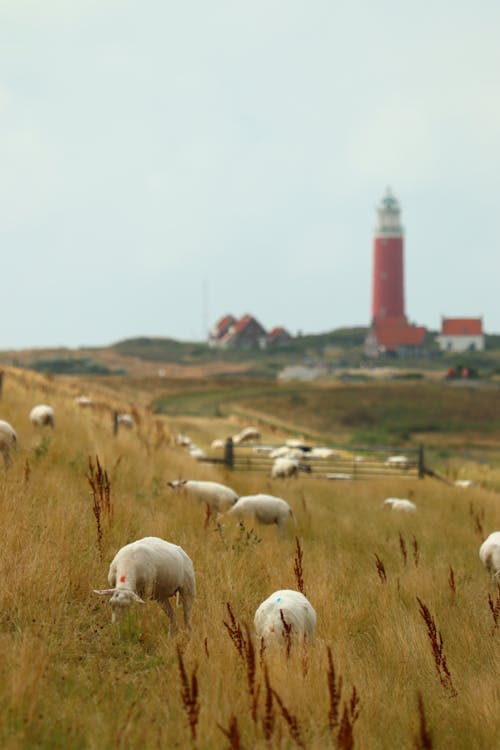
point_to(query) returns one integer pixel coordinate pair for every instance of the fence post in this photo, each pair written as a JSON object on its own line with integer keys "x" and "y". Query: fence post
{"x": 229, "y": 453}
{"x": 115, "y": 423}
{"x": 421, "y": 461}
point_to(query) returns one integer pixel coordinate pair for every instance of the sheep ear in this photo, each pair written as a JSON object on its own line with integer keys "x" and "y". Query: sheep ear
{"x": 104, "y": 592}
{"x": 137, "y": 598}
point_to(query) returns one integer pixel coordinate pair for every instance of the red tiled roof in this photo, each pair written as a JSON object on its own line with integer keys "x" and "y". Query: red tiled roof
{"x": 462, "y": 327}
{"x": 277, "y": 331}
{"x": 391, "y": 333}
{"x": 225, "y": 322}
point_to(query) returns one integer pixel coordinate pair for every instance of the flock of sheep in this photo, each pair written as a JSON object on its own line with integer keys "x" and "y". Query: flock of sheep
{"x": 157, "y": 569}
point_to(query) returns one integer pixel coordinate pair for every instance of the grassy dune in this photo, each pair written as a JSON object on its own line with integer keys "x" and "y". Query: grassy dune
{"x": 69, "y": 679}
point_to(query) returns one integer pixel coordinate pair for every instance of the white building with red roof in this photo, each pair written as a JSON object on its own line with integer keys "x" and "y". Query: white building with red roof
{"x": 461, "y": 335}
{"x": 245, "y": 333}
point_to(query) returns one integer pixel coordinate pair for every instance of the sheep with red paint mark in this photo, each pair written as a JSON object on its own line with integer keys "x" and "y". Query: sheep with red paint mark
{"x": 150, "y": 568}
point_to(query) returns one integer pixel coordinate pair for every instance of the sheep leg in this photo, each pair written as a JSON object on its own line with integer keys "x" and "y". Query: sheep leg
{"x": 167, "y": 607}
{"x": 6, "y": 456}
{"x": 186, "y": 607}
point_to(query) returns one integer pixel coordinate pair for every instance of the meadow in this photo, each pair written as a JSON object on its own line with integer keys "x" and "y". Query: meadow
{"x": 406, "y": 653}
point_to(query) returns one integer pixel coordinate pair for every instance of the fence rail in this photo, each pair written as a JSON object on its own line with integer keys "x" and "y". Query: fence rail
{"x": 346, "y": 462}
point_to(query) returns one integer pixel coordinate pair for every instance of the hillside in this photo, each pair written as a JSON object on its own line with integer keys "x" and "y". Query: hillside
{"x": 379, "y": 582}
{"x": 337, "y": 350}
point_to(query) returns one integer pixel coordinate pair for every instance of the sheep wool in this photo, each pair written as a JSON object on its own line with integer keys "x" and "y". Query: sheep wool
{"x": 288, "y": 605}
{"x": 43, "y": 415}
{"x": 150, "y": 568}
{"x": 217, "y": 496}
{"x": 266, "y": 509}
{"x": 489, "y": 554}
{"x": 8, "y": 441}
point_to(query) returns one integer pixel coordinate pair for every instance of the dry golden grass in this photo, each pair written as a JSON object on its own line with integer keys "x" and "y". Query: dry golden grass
{"x": 69, "y": 679}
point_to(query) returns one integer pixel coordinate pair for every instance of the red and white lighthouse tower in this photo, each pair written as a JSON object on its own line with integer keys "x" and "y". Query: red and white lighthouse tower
{"x": 388, "y": 282}
{"x": 390, "y": 331}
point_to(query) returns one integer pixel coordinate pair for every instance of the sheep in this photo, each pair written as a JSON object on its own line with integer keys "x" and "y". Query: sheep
{"x": 124, "y": 419}
{"x": 320, "y": 452}
{"x": 398, "y": 462}
{"x": 196, "y": 452}
{"x": 152, "y": 568}
{"x": 246, "y": 435}
{"x": 398, "y": 504}
{"x": 181, "y": 439}
{"x": 463, "y": 483}
{"x": 287, "y": 467}
{"x": 42, "y": 416}
{"x": 290, "y": 606}
{"x": 83, "y": 401}
{"x": 217, "y": 443}
{"x": 8, "y": 441}
{"x": 266, "y": 509}
{"x": 217, "y": 496}
{"x": 489, "y": 554}
{"x": 339, "y": 475}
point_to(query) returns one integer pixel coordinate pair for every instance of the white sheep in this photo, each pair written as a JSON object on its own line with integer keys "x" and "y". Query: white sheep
{"x": 266, "y": 509}
{"x": 83, "y": 401}
{"x": 217, "y": 496}
{"x": 397, "y": 503}
{"x": 287, "y": 467}
{"x": 246, "y": 435}
{"x": 398, "y": 462}
{"x": 217, "y": 443}
{"x": 340, "y": 475}
{"x": 126, "y": 420}
{"x": 8, "y": 441}
{"x": 489, "y": 554}
{"x": 43, "y": 415}
{"x": 150, "y": 568}
{"x": 181, "y": 439}
{"x": 196, "y": 452}
{"x": 323, "y": 452}
{"x": 464, "y": 483}
{"x": 290, "y": 606}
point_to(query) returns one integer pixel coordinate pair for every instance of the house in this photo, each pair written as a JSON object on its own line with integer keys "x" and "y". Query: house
{"x": 246, "y": 333}
{"x": 393, "y": 336}
{"x": 220, "y": 329}
{"x": 279, "y": 336}
{"x": 461, "y": 335}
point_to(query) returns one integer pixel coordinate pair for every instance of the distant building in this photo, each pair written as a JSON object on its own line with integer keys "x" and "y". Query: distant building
{"x": 390, "y": 332}
{"x": 461, "y": 335}
{"x": 278, "y": 337}
{"x": 245, "y": 333}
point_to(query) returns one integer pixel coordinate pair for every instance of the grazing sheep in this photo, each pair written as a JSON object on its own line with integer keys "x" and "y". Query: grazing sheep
{"x": 181, "y": 439}
{"x": 339, "y": 475}
{"x": 489, "y": 554}
{"x": 42, "y": 416}
{"x": 152, "y": 568}
{"x": 287, "y": 467}
{"x": 126, "y": 420}
{"x": 463, "y": 483}
{"x": 398, "y": 462}
{"x": 266, "y": 509}
{"x": 246, "y": 435}
{"x": 288, "y": 605}
{"x": 196, "y": 452}
{"x": 398, "y": 504}
{"x": 217, "y": 496}
{"x": 218, "y": 443}
{"x": 8, "y": 441}
{"x": 83, "y": 401}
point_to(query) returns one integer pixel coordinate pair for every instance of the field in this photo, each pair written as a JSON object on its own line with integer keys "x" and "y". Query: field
{"x": 377, "y": 676}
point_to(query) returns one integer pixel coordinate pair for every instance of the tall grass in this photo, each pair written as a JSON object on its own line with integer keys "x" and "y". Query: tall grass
{"x": 69, "y": 679}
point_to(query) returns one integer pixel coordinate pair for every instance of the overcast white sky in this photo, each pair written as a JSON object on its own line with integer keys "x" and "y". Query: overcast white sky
{"x": 153, "y": 150}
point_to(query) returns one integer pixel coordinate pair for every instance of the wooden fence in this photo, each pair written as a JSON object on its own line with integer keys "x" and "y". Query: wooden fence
{"x": 346, "y": 462}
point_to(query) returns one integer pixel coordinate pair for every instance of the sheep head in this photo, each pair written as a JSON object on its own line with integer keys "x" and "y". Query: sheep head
{"x": 120, "y": 601}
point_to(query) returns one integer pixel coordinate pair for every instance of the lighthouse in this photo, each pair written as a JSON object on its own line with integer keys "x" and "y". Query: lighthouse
{"x": 388, "y": 289}
{"x": 390, "y": 332}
